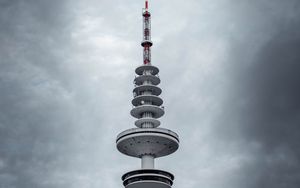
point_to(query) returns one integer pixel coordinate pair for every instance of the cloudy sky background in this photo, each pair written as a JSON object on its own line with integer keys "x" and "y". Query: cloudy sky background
{"x": 230, "y": 75}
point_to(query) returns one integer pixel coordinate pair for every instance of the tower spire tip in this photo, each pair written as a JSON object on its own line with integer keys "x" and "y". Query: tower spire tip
{"x": 146, "y": 4}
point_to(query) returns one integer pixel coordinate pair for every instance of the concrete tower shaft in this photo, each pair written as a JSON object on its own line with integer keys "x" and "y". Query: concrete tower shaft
{"x": 147, "y": 141}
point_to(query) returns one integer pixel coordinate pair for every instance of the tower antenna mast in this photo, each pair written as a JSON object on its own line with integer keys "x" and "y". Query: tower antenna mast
{"x": 146, "y": 42}
{"x": 148, "y": 141}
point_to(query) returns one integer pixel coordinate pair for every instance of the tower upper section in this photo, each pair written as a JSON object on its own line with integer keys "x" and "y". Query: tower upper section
{"x": 148, "y": 141}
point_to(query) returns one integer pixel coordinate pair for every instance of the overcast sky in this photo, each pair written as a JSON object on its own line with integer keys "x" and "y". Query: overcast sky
{"x": 230, "y": 74}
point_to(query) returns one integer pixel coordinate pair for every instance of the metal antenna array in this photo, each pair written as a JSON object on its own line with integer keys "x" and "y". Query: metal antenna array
{"x": 147, "y": 43}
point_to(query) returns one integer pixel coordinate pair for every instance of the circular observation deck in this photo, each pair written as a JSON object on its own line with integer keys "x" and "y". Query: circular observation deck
{"x": 141, "y": 121}
{"x": 151, "y": 88}
{"x": 156, "y": 111}
{"x": 137, "y": 142}
{"x": 155, "y": 100}
{"x": 139, "y": 80}
{"x": 148, "y": 178}
{"x": 141, "y": 69}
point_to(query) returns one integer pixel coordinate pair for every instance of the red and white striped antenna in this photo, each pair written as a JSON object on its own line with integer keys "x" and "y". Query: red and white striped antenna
{"x": 147, "y": 43}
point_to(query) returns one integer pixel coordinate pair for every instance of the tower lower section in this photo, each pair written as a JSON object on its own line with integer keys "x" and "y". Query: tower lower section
{"x": 148, "y": 178}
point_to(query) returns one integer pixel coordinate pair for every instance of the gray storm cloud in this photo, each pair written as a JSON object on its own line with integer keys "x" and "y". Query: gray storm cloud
{"x": 264, "y": 106}
{"x": 230, "y": 79}
{"x": 267, "y": 106}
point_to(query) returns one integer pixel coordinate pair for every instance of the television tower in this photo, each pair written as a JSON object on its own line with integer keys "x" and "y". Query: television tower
{"x": 147, "y": 141}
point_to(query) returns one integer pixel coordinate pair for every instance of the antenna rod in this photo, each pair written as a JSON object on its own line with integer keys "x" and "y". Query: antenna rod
{"x": 146, "y": 4}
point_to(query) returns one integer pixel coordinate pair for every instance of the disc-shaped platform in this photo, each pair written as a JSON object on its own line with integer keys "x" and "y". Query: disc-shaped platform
{"x": 146, "y": 43}
{"x": 146, "y": 14}
{"x": 141, "y": 183}
{"x": 153, "y": 89}
{"x": 142, "y": 172}
{"x": 139, "y": 122}
{"x": 151, "y": 178}
{"x": 139, "y": 70}
{"x": 147, "y": 141}
{"x": 155, "y": 100}
{"x": 156, "y": 111}
{"x": 139, "y": 80}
